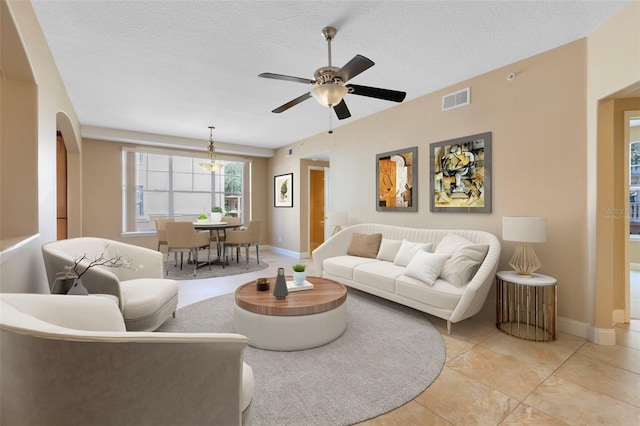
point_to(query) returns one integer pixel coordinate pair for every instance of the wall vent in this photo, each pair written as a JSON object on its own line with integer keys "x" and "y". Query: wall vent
{"x": 288, "y": 152}
{"x": 456, "y": 99}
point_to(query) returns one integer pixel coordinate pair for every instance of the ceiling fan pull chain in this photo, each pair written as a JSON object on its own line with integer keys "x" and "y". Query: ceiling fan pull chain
{"x": 331, "y": 120}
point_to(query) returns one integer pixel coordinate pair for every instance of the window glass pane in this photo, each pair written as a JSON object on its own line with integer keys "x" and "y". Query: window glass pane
{"x": 158, "y": 162}
{"x": 191, "y": 203}
{"x": 634, "y": 188}
{"x": 157, "y": 181}
{"x": 182, "y": 182}
{"x": 202, "y": 182}
{"x": 182, "y": 165}
{"x": 155, "y": 204}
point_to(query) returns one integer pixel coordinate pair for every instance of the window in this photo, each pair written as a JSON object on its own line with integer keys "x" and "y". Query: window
{"x": 174, "y": 185}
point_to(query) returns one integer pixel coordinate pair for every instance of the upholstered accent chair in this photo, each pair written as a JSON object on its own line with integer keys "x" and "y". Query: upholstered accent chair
{"x": 68, "y": 360}
{"x": 243, "y": 238}
{"x": 182, "y": 237}
{"x": 146, "y": 299}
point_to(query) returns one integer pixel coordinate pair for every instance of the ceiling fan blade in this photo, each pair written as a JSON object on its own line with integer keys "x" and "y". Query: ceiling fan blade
{"x": 292, "y": 103}
{"x": 354, "y": 67}
{"x": 375, "y": 92}
{"x": 285, "y": 78}
{"x": 341, "y": 110}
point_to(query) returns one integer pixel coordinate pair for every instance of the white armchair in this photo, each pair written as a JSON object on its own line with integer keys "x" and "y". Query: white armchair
{"x": 145, "y": 298}
{"x": 68, "y": 360}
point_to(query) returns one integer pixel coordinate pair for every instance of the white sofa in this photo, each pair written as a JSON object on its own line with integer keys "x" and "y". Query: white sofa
{"x": 146, "y": 298}
{"x": 68, "y": 360}
{"x": 387, "y": 279}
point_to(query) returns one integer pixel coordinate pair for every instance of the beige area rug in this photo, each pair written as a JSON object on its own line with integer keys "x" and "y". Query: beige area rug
{"x": 387, "y": 356}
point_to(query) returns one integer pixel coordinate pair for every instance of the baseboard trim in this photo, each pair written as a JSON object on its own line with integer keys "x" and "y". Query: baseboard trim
{"x": 602, "y": 336}
{"x": 290, "y": 253}
{"x": 573, "y": 327}
{"x": 619, "y": 316}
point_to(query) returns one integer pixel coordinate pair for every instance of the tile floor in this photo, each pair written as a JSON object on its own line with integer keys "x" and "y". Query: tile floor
{"x": 491, "y": 378}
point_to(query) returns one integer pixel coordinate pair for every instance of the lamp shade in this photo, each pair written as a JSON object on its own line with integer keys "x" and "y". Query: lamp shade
{"x": 524, "y": 229}
{"x": 329, "y": 94}
{"x": 337, "y": 218}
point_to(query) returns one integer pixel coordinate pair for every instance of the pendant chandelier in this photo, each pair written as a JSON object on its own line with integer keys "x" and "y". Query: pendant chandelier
{"x": 212, "y": 165}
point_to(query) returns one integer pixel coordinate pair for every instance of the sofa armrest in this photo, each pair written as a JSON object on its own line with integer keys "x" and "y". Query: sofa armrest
{"x": 168, "y": 375}
{"x": 89, "y": 313}
{"x": 337, "y": 245}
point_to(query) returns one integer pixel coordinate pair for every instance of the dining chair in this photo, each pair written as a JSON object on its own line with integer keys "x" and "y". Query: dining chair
{"x": 161, "y": 230}
{"x": 182, "y": 237}
{"x": 243, "y": 238}
{"x": 220, "y": 235}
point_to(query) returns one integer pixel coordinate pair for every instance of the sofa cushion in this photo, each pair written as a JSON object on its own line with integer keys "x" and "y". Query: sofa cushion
{"x": 342, "y": 266}
{"x": 364, "y": 245}
{"x": 388, "y": 249}
{"x": 426, "y": 266}
{"x": 451, "y": 243}
{"x": 379, "y": 274}
{"x": 441, "y": 294}
{"x": 408, "y": 249}
{"x": 145, "y": 296}
{"x": 464, "y": 263}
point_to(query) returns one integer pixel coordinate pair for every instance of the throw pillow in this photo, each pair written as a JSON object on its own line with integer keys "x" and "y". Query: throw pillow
{"x": 451, "y": 243}
{"x": 464, "y": 263}
{"x": 388, "y": 249}
{"x": 426, "y": 266}
{"x": 408, "y": 250}
{"x": 364, "y": 245}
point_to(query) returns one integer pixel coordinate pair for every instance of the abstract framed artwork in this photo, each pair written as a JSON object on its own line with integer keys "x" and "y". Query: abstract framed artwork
{"x": 283, "y": 190}
{"x": 397, "y": 180}
{"x": 461, "y": 174}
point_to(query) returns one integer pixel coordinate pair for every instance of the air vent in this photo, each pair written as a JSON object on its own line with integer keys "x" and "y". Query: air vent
{"x": 456, "y": 99}
{"x": 288, "y": 152}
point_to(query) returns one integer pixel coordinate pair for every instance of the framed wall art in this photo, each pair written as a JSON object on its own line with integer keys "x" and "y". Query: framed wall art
{"x": 461, "y": 174}
{"x": 397, "y": 180}
{"x": 283, "y": 190}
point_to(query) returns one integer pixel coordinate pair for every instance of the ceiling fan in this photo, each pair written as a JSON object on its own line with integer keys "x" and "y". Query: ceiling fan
{"x": 329, "y": 86}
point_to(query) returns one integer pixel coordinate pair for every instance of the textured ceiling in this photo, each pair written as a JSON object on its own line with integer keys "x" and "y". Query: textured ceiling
{"x": 173, "y": 68}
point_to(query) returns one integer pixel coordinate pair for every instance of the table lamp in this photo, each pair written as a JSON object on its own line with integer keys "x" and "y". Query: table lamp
{"x": 338, "y": 220}
{"x": 524, "y": 230}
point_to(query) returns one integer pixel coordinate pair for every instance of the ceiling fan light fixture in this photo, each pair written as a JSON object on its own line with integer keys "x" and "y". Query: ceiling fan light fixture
{"x": 329, "y": 94}
{"x": 212, "y": 165}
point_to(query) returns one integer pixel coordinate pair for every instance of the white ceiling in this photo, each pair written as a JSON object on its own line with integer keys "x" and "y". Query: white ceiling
{"x": 135, "y": 69}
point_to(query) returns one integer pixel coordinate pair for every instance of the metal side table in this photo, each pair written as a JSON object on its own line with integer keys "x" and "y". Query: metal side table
{"x": 526, "y": 306}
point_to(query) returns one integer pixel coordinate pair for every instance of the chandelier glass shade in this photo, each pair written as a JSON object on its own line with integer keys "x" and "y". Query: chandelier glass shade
{"x": 329, "y": 94}
{"x": 212, "y": 165}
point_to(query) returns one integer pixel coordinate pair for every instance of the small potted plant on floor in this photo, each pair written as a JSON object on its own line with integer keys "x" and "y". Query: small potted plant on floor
{"x": 299, "y": 274}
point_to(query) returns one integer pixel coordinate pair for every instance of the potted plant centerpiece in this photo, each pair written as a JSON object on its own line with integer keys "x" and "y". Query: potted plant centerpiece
{"x": 216, "y": 214}
{"x": 202, "y": 218}
{"x": 299, "y": 273}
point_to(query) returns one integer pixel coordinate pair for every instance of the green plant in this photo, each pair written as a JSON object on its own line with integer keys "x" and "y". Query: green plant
{"x": 299, "y": 267}
{"x": 216, "y": 209}
{"x": 202, "y": 216}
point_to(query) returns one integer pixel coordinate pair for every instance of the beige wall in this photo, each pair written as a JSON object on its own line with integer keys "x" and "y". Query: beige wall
{"x": 24, "y": 50}
{"x": 613, "y": 69}
{"x": 538, "y": 129}
{"x": 102, "y": 192}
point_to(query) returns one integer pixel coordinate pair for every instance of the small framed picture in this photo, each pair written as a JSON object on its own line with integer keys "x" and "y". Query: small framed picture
{"x": 283, "y": 190}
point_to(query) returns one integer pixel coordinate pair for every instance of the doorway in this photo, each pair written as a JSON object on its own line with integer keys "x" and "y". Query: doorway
{"x": 62, "y": 219}
{"x": 316, "y": 207}
{"x": 632, "y": 138}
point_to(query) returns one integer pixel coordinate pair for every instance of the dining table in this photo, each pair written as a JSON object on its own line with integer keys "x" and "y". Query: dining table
{"x": 216, "y": 227}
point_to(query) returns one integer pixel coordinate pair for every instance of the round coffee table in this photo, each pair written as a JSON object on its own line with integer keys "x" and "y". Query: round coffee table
{"x": 305, "y": 319}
